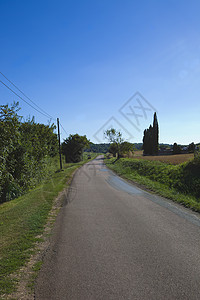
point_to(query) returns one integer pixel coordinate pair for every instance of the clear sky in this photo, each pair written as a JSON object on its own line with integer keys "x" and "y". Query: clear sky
{"x": 82, "y": 61}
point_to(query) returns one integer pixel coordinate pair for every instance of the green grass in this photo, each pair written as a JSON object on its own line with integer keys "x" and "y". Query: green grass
{"x": 179, "y": 183}
{"x": 35, "y": 270}
{"x": 22, "y": 220}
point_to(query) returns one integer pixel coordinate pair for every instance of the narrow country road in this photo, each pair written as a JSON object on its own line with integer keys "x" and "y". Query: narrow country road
{"x": 113, "y": 240}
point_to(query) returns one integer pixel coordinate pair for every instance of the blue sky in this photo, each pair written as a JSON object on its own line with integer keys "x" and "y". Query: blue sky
{"x": 82, "y": 61}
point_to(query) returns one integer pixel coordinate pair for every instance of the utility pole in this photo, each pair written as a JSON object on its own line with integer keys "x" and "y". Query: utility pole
{"x": 59, "y": 143}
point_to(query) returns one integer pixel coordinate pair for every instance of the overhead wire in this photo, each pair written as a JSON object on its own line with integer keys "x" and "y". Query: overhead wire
{"x": 44, "y": 112}
{"x": 23, "y": 99}
{"x": 63, "y": 129}
{"x": 40, "y": 110}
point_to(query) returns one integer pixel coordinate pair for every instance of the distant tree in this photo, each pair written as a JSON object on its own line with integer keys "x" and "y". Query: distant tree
{"x": 115, "y": 137}
{"x": 73, "y": 147}
{"x": 98, "y": 148}
{"x": 176, "y": 149}
{"x": 191, "y": 148}
{"x": 150, "y": 138}
{"x": 138, "y": 146}
{"x": 148, "y": 141}
{"x": 144, "y": 145}
{"x": 113, "y": 149}
{"x": 126, "y": 148}
{"x": 155, "y": 134}
{"x": 118, "y": 146}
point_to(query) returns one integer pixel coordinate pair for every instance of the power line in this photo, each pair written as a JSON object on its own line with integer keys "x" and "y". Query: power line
{"x": 40, "y": 110}
{"x": 24, "y": 100}
{"x": 43, "y": 112}
{"x": 63, "y": 129}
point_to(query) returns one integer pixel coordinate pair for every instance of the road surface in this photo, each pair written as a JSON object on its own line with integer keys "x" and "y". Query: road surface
{"x": 113, "y": 240}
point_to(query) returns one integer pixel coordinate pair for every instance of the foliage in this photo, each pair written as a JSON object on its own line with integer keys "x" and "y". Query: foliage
{"x": 73, "y": 147}
{"x": 114, "y": 137}
{"x": 104, "y": 147}
{"x": 113, "y": 149}
{"x": 150, "y": 139}
{"x": 126, "y": 148}
{"x": 98, "y": 148}
{"x": 9, "y": 139}
{"x": 118, "y": 146}
{"x": 176, "y": 149}
{"x": 138, "y": 146}
{"x": 25, "y": 149}
{"x": 191, "y": 148}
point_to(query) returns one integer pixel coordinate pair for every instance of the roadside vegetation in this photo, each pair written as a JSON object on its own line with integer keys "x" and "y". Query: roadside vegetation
{"x": 22, "y": 221}
{"x": 26, "y": 152}
{"x": 30, "y": 181}
{"x": 180, "y": 183}
{"x": 175, "y": 175}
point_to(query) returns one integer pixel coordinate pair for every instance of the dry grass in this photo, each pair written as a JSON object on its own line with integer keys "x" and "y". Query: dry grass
{"x": 172, "y": 159}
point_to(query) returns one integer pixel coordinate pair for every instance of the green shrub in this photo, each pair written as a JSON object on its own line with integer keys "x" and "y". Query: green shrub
{"x": 184, "y": 177}
{"x": 25, "y": 152}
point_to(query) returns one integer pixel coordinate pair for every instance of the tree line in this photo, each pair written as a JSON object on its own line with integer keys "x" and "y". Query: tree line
{"x": 25, "y": 152}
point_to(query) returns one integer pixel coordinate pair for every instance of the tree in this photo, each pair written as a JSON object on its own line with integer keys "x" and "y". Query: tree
{"x": 118, "y": 146}
{"x": 73, "y": 147}
{"x": 115, "y": 137}
{"x": 113, "y": 149}
{"x": 41, "y": 139}
{"x": 126, "y": 148}
{"x": 176, "y": 149}
{"x": 25, "y": 149}
{"x": 191, "y": 148}
{"x": 9, "y": 143}
{"x": 98, "y": 148}
{"x": 150, "y": 138}
{"x": 155, "y": 133}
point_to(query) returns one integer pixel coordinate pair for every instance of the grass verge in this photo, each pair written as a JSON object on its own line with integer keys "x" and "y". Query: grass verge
{"x": 157, "y": 177}
{"x": 22, "y": 220}
{"x": 36, "y": 268}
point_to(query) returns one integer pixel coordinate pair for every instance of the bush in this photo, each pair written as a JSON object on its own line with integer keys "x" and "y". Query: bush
{"x": 184, "y": 177}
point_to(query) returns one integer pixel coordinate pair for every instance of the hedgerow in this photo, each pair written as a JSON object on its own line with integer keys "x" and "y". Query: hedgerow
{"x": 25, "y": 152}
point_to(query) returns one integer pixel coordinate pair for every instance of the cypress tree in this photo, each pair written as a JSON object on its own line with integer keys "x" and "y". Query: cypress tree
{"x": 150, "y": 138}
{"x": 145, "y": 141}
{"x": 155, "y": 135}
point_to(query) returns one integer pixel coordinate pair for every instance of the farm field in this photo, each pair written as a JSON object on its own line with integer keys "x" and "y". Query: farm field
{"x": 172, "y": 159}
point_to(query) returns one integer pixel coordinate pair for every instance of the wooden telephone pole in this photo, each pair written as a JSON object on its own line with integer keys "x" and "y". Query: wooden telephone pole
{"x": 59, "y": 143}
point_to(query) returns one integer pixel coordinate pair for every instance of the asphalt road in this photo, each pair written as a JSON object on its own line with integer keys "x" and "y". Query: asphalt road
{"x": 113, "y": 240}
